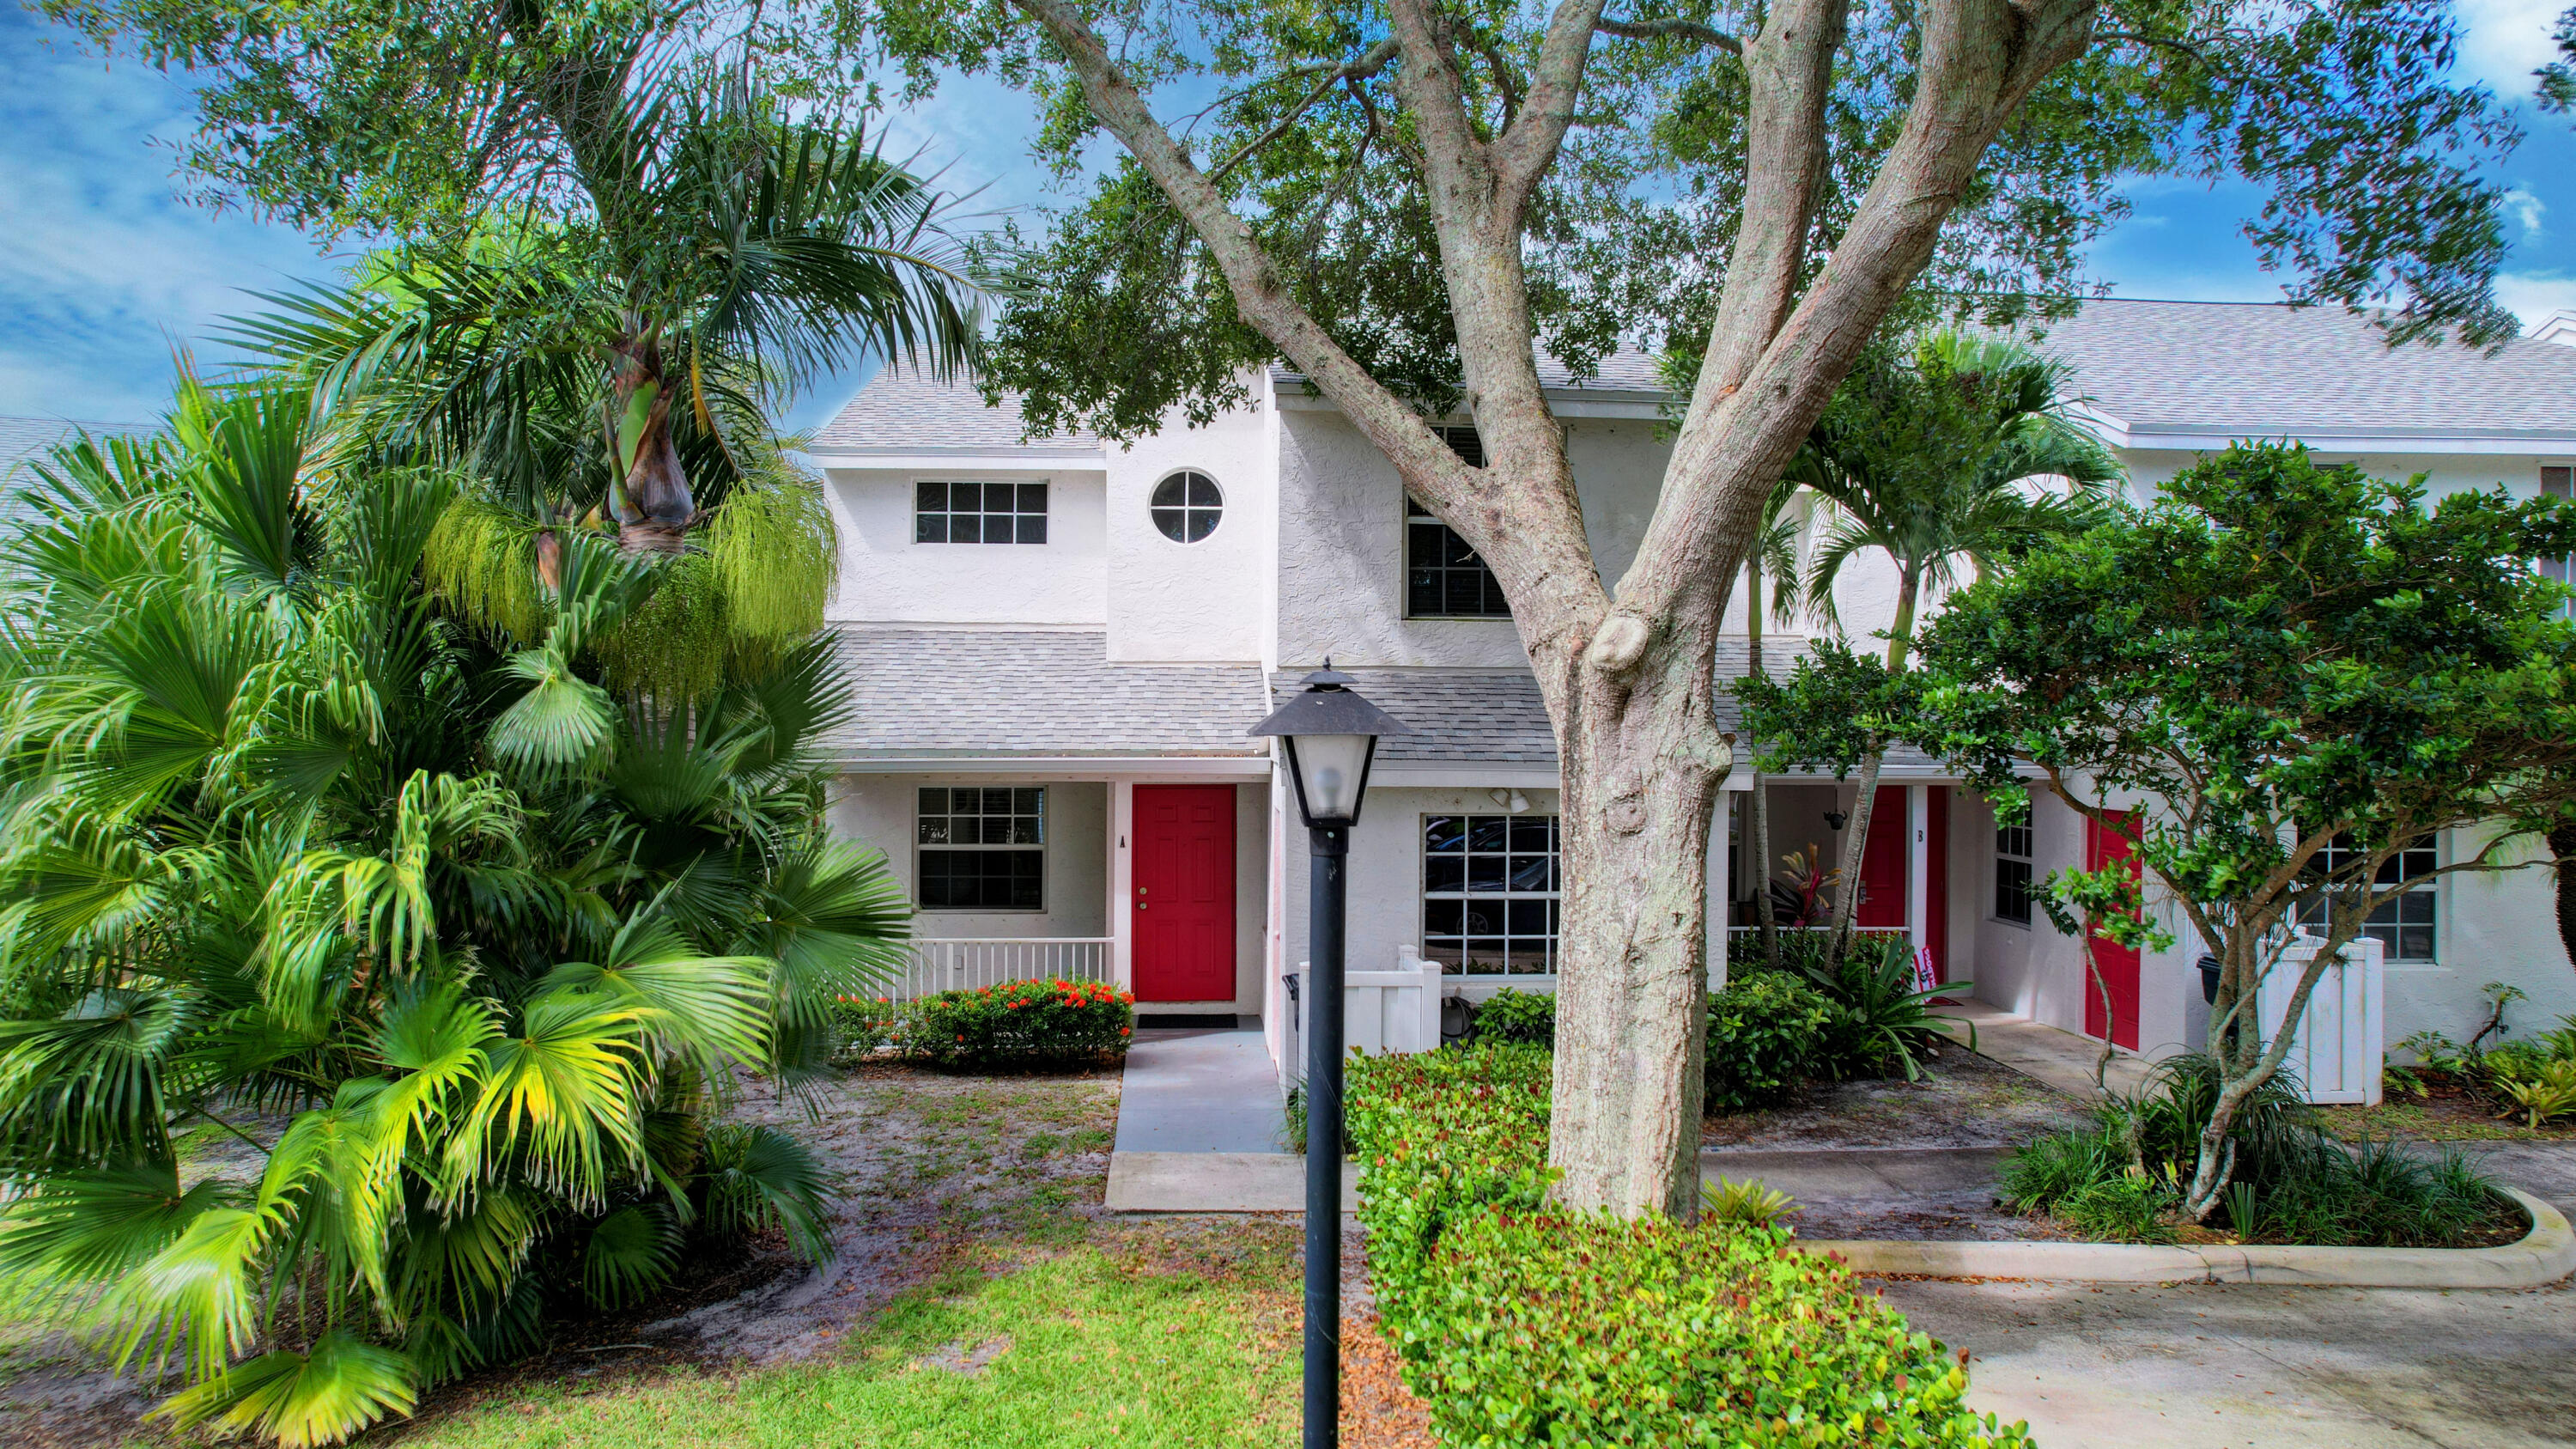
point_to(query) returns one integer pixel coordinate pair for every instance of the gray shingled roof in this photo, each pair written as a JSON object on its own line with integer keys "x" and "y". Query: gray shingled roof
{"x": 1496, "y": 716}
{"x": 905, "y": 411}
{"x": 2273, "y": 369}
{"x": 1033, "y": 692}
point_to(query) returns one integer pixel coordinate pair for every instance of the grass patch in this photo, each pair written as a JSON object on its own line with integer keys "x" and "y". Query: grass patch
{"x": 1082, "y": 1348}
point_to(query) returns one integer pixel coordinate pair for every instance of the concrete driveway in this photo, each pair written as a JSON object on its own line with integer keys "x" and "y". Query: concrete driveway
{"x": 2253, "y": 1367}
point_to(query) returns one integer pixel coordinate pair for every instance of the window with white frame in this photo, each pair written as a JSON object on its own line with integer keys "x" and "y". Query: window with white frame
{"x": 2560, "y": 483}
{"x": 1443, "y": 577}
{"x": 2404, "y": 925}
{"x": 979, "y": 512}
{"x": 981, "y": 848}
{"x": 1489, "y": 894}
{"x": 2012, "y": 873}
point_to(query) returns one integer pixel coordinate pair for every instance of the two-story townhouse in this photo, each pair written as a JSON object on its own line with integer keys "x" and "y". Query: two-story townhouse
{"x": 1057, "y": 646}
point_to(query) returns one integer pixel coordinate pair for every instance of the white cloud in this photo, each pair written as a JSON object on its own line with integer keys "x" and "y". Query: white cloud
{"x": 2506, "y": 40}
{"x": 2533, "y": 296}
{"x": 107, "y": 270}
{"x": 2526, "y": 211}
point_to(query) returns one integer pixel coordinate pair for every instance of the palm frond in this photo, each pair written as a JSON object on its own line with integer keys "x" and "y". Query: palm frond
{"x": 324, "y": 1395}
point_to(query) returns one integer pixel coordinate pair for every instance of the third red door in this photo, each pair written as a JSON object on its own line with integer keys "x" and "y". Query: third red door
{"x": 2117, "y": 964}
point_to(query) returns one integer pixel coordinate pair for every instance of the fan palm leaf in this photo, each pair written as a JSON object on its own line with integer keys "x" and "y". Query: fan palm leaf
{"x": 321, "y": 1396}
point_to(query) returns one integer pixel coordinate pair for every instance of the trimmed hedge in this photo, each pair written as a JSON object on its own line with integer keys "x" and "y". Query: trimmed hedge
{"x": 1524, "y": 1324}
{"x": 1767, "y": 1032}
{"x": 1018, "y": 1023}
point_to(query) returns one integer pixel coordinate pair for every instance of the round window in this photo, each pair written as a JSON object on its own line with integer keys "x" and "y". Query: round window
{"x": 1187, "y": 506}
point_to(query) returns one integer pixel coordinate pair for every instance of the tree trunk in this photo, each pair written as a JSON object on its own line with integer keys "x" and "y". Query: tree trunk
{"x": 650, "y": 497}
{"x": 2562, "y": 844}
{"x": 1900, "y": 636}
{"x": 1761, "y": 811}
{"x": 1642, "y": 767}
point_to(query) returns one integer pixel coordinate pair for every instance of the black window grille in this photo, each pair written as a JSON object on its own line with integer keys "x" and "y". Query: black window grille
{"x": 982, "y": 847}
{"x": 979, "y": 513}
{"x": 1489, "y": 894}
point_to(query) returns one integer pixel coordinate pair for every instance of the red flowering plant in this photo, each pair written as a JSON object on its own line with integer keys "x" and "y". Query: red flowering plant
{"x": 1022, "y": 1023}
{"x": 867, "y": 1023}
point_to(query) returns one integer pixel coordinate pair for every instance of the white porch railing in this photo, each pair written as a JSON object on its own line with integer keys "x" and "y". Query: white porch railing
{"x": 963, "y": 963}
{"x": 1737, "y": 936}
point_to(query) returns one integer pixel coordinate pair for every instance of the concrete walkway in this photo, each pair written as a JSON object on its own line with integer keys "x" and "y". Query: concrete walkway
{"x": 1819, "y": 1174}
{"x": 1199, "y": 1090}
{"x": 1202, "y": 1128}
{"x": 2249, "y": 1366}
{"x": 2053, "y": 1054}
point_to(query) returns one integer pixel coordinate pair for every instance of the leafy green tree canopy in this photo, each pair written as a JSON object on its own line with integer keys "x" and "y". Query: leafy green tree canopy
{"x": 2276, "y": 657}
{"x": 2342, "y": 111}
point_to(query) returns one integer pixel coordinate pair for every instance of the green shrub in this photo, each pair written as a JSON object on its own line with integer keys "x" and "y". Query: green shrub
{"x": 2125, "y": 1207}
{"x": 1522, "y": 1324}
{"x": 2310, "y": 1186}
{"x": 1764, "y": 1031}
{"x": 2038, "y": 1176}
{"x": 1016, "y": 1024}
{"x": 862, "y": 1024}
{"x": 1521, "y": 1016}
{"x": 1883, "y": 1025}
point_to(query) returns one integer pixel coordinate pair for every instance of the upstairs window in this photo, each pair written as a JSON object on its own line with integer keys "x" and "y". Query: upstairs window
{"x": 2560, "y": 483}
{"x": 1186, "y": 507}
{"x": 982, "y": 848}
{"x": 2012, "y": 873}
{"x": 1464, "y": 442}
{"x": 1443, "y": 578}
{"x": 979, "y": 513}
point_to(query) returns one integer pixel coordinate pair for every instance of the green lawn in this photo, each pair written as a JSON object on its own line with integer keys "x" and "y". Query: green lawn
{"x": 1082, "y": 1348}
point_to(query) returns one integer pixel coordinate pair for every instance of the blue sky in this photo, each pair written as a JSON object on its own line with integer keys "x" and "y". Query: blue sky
{"x": 106, "y": 270}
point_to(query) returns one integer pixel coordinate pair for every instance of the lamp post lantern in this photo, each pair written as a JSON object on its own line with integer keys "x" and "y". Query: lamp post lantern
{"x": 1330, "y": 735}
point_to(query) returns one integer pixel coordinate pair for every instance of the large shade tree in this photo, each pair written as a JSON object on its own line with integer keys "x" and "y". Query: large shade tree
{"x": 1406, "y": 201}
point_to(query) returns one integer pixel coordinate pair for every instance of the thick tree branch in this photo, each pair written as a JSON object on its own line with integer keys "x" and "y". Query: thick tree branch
{"x": 1260, "y": 293}
{"x": 1690, "y": 30}
{"x": 1525, "y": 151}
{"x": 1980, "y": 60}
{"x": 1361, "y": 69}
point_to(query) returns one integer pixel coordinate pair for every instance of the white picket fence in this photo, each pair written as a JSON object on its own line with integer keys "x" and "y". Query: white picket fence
{"x": 963, "y": 963}
{"x": 2338, "y": 1054}
{"x": 1382, "y": 1011}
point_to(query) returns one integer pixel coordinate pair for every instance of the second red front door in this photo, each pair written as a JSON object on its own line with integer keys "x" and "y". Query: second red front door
{"x": 1181, "y": 903}
{"x": 2115, "y": 995}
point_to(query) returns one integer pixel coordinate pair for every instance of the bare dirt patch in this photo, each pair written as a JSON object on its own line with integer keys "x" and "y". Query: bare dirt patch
{"x": 929, "y": 1166}
{"x": 1964, "y": 1100}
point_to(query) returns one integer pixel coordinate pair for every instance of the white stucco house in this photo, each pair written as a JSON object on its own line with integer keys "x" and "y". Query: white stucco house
{"x": 1058, "y": 645}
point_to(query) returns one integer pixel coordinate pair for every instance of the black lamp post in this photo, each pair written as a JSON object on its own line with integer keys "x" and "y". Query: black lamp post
{"x": 1331, "y": 737}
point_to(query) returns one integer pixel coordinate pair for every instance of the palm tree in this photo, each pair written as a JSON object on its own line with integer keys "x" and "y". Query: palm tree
{"x": 1775, "y": 551}
{"x": 1962, "y": 452}
{"x": 274, "y": 872}
{"x": 615, "y": 338}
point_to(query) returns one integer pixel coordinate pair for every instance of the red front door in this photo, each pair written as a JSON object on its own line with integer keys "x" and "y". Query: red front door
{"x": 1181, "y": 913}
{"x": 2117, "y": 964}
{"x": 1882, "y": 860}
